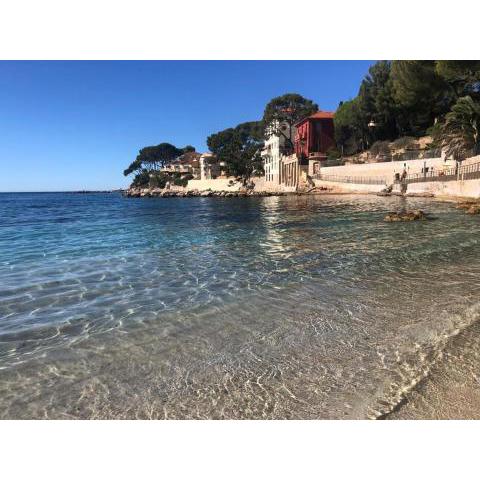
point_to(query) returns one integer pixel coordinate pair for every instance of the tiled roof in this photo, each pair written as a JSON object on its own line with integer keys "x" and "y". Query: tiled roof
{"x": 322, "y": 114}
{"x": 319, "y": 114}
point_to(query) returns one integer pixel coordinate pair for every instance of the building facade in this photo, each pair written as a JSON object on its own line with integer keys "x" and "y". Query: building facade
{"x": 187, "y": 163}
{"x": 314, "y": 137}
{"x": 276, "y": 146}
{"x": 210, "y": 168}
{"x": 294, "y": 172}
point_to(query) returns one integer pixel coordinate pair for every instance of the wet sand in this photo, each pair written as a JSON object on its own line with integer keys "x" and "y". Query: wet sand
{"x": 452, "y": 388}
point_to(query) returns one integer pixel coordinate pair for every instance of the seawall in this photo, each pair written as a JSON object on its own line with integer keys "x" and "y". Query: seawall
{"x": 386, "y": 170}
{"x": 451, "y": 189}
{"x": 342, "y": 187}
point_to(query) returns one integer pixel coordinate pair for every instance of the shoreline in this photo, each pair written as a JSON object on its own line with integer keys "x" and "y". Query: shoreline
{"x": 159, "y": 193}
{"x": 459, "y": 400}
{"x": 450, "y": 389}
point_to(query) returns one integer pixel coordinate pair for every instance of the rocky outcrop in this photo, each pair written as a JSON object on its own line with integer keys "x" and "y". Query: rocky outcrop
{"x": 159, "y": 193}
{"x": 474, "y": 209}
{"x": 386, "y": 192}
{"x": 406, "y": 216}
{"x": 420, "y": 194}
{"x": 471, "y": 207}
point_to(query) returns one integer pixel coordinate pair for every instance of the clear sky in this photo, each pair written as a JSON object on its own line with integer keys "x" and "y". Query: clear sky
{"x": 76, "y": 125}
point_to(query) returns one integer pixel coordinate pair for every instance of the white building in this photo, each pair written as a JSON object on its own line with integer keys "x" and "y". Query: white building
{"x": 210, "y": 168}
{"x": 274, "y": 149}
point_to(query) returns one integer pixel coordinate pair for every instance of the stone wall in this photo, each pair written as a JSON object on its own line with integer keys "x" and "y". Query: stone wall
{"x": 338, "y": 187}
{"x": 471, "y": 160}
{"x": 222, "y": 185}
{"x": 216, "y": 185}
{"x": 465, "y": 188}
{"x": 261, "y": 185}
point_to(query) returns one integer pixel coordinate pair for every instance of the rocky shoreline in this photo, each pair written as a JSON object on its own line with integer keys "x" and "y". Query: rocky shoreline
{"x": 406, "y": 216}
{"x": 161, "y": 193}
{"x": 471, "y": 207}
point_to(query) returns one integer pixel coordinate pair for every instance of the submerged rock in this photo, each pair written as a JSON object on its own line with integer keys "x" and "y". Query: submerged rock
{"x": 420, "y": 194}
{"x": 467, "y": 204}
{"x": 386, "y": 192}
{"x": 470, "y": 206}
{"x": 474, "y": 209}
{"x": 406, "y": 216}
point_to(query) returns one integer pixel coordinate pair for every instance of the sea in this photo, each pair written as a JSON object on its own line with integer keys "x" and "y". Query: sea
{"x": 292, "y": 307}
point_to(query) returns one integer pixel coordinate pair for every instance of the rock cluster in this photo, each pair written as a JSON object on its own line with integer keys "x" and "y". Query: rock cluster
{"x": 386, "y": 192}
{"x": 158, "y": 192}
{"x": 470, "y": 207}
{"x": 420, "y": 194}
{"x": 406, "y": 216}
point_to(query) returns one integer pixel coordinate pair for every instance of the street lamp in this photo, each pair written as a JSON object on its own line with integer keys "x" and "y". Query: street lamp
{"x": 371, "y": 125}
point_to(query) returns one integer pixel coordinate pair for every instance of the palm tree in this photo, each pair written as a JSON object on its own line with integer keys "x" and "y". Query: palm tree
{"x": 460, "y": 133}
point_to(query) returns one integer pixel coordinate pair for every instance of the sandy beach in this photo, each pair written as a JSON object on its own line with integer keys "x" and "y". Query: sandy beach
{"x": 451, "y": 390}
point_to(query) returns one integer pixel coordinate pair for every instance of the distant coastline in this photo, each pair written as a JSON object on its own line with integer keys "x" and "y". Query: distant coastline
{"x": 118, "y": 190}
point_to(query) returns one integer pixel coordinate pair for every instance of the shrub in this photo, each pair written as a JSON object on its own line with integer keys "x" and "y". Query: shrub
{"x": 141, "y": 179}
{"x": 158, "y": 180}
{"x": 333, "y": 153}
{"x": 380, "y": 148}
{"x": 404, "y": 142}
{"x": 180, "y": 182}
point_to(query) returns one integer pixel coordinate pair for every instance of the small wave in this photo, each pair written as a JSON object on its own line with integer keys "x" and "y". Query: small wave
{"x": 417, "y": 365}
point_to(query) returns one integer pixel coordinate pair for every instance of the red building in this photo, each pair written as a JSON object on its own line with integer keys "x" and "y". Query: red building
{"x": 314, "y": 136}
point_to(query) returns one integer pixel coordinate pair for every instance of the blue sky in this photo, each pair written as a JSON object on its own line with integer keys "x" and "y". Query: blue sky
{"x": 76, "y": 125}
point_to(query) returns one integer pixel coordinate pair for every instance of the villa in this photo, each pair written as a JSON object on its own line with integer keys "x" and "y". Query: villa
{"x": 188, "y": 163}
{"x": 276, "y": 146}
{"x": 210, "y": 167}
{"x": 311, "y": 138}
{"x": 314, "y": 137}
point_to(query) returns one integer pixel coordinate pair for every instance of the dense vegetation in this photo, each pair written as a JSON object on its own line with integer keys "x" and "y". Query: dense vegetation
{"x": 146, "y": 166}
{"x": 397, "y": 101}
{"x": 282, "y": 113}
{"x": 410, "y": 98}
{"x": 239, "y": 147}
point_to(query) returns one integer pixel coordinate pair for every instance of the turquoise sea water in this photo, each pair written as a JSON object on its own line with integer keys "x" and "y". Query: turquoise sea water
{"x": 278, "y": 307}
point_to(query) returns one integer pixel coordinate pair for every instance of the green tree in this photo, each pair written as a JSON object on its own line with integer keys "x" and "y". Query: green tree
{"x": 377, "y": 103}
{"x": 135, "y": 167}
{"x": 239, "y": 148}
{"x": 252, "y": 130}
{"x": 421, "y": 95}
{"x": 462, "y": 75}
{"x": 141, "y": 179}
{"x": 158, "y": 156}
{"x": 153, "y": 158}
{"x": 286, "y": 110}
{"x": 351, "y": 126}
{"x": 371, "y": 116}
{"x": 460, "y": 133}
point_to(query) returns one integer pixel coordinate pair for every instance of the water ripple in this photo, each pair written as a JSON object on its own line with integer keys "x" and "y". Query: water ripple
{"x": 289, "y": 307}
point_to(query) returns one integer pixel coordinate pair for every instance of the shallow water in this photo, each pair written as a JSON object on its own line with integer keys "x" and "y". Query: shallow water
{"x": 278, "y": 307}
